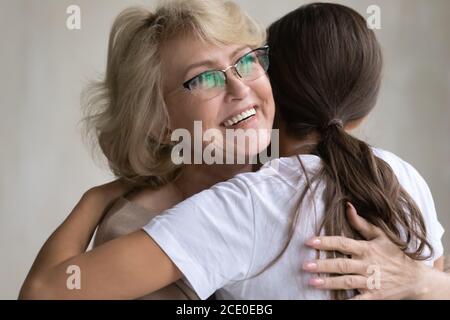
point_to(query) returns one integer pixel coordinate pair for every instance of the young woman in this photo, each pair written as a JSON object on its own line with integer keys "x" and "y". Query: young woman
{"x": 245, "y": 237}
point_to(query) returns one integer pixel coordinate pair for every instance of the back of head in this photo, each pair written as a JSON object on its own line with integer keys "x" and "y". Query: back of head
{"x": 337, "y": 69}
{"x": 325, "y": 73}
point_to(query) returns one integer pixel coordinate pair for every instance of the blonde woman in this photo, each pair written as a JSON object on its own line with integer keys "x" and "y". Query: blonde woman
{"x": 153, "y": 61}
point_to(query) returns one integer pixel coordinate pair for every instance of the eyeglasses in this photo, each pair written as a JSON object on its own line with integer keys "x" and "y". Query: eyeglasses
{"x": 210, "y": 84}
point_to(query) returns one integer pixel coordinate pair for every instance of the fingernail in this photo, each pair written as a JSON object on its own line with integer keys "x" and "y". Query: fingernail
{"x": 316, "y": 282}
{"x": 310, "y": 266}
{"x": 313, "y": 242}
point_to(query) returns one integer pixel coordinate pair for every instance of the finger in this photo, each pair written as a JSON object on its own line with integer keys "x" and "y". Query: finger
{"x": 366, "y": 229}
{"x": 339, "y": 283}
{"x": 339, "y": 266}
{"x": 110, "y": 191}
{"x": 335, "y": 243}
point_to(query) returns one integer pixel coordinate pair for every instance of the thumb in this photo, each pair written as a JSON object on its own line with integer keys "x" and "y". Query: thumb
{"x": 366, "y": 229}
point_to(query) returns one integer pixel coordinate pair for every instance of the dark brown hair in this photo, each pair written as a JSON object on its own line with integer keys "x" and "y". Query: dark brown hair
{"x": 325, "y": 71}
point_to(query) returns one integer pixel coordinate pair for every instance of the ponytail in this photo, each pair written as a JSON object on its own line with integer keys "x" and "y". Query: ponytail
{"x": 354, "y": 174}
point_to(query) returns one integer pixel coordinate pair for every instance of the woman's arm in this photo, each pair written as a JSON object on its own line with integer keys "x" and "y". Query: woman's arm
{"x": 435, "y": 285}
{"x": 125, "y": 268}
{"x": 439, "y": 264}
{"x": 400, "y": 277}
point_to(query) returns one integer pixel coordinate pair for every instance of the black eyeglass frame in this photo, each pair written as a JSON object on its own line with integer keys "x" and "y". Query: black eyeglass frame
{"x": 186, "y": 84}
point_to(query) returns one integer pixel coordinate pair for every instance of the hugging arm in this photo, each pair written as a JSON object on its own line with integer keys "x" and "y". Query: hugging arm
{"x": 125, "y": 268}
{"x": 138, "y": 264}
{"x": 400, "y": 276}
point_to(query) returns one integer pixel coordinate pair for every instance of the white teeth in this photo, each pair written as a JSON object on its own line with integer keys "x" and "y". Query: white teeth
{"x": 239, "y": 117}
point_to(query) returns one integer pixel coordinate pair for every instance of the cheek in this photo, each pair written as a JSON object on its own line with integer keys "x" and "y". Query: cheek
{"x": 184, "y": 112}
{"x": 263, "y": 91}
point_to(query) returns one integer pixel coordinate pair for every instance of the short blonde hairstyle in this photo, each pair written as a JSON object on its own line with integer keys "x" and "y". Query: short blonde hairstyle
{"x": 125, "y": 110}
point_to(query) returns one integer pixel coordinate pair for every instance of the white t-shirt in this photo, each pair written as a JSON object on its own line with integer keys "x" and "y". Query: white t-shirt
{"x": 221, "y": 237}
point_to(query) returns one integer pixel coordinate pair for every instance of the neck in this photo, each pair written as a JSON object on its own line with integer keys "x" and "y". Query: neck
{"x": 196, "y": 178}
{"x": 290, "y": 146}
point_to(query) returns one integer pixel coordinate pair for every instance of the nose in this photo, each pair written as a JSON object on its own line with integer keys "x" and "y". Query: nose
{"x": 236, "y": 89}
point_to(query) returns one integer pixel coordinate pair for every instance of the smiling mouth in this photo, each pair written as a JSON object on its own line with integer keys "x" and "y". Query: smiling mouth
{"x": 247, "y": 114}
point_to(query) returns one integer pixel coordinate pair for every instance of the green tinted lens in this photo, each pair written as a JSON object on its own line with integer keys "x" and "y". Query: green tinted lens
{"x": 208, "y": 80}
{"x": 253, "y": 65}
{"x": 247, "y": 65}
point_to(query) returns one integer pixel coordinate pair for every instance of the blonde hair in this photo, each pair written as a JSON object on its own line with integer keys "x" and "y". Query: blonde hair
{"x": 125, "y": 110}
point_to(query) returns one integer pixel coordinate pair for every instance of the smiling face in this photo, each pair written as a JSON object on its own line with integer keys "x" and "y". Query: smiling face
{"x": 240, "y": 104}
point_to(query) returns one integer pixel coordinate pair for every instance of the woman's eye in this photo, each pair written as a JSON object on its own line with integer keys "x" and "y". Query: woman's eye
{"x": 207, "y": 80}
{"x": 248, "y": 59}
{"x": 247, "y": 64}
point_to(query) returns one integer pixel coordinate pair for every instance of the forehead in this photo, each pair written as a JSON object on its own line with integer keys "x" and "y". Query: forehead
{"x": 179, "y": 53}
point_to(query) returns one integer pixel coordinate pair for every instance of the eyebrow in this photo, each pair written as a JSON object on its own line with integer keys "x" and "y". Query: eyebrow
{"x": 210, "y": 62}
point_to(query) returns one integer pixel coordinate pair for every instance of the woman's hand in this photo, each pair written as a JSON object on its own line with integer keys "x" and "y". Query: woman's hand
{"x": 89, "y": 211}
{"x": 104, "y": 195}
{"x": 378, "y": 268}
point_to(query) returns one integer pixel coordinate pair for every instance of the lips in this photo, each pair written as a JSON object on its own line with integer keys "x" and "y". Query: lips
{"x": 242, "y": 116}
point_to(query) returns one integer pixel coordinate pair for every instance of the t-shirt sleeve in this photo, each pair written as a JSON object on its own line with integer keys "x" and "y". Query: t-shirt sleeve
{"x": 210, "y": 236}
{"x": 425, "y": 202}
{"x": 418, "y": 189}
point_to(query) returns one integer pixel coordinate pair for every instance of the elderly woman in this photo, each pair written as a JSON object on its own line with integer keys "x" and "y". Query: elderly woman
{"x": 155, "y": 65}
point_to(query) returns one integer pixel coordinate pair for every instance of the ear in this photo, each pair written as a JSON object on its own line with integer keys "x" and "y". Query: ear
{"x": 352, "y": 125}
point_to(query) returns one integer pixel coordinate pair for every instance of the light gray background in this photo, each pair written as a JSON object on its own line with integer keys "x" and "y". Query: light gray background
{"x": 45, "y": 167}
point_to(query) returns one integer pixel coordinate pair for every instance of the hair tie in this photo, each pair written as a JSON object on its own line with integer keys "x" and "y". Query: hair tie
{"x": 326, "y": 130}
{"x": 335, "y": 122}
